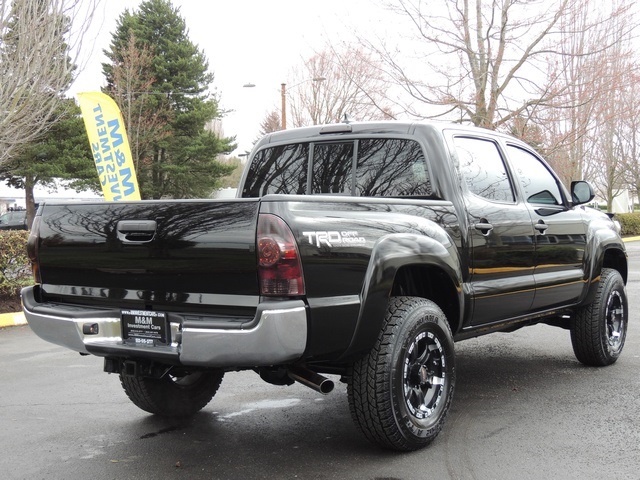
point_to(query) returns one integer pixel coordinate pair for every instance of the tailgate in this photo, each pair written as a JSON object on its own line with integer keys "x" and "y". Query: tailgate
{"x": 171, "y": 253}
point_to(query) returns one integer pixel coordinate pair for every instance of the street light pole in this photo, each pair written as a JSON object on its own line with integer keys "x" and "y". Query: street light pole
{"x": 283, "y": 92}
{"x": 283, "y": 95}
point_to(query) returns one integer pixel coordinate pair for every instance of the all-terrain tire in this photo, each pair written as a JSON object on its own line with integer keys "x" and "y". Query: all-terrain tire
{"x": 173, "y": 396}
{"x": 598, "y": 330}
{"x": 401, "y": 391}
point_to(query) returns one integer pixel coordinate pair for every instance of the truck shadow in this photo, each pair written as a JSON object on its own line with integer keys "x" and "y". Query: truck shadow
{"x": 284, "y": 432}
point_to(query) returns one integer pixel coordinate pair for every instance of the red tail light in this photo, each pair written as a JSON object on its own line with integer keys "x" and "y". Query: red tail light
{"x": 279, "y": 267}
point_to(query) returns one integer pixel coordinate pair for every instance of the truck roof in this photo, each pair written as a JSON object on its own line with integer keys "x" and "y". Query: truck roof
{"x": 382, "y": 127}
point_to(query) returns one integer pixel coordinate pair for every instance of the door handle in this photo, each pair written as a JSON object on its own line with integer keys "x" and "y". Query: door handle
{"x": 541, "y": 227}
{"x": 483, "y": 226}
{"x": 136, "y": 231}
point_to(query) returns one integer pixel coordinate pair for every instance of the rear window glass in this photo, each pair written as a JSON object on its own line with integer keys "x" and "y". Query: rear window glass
{"x": 383, "y": 167}
{"x": 332, "y": 167}
{"x": 280, "y": 169}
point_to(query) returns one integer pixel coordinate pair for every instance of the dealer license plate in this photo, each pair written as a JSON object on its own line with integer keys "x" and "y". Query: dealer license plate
{"x": 143, "y": 327}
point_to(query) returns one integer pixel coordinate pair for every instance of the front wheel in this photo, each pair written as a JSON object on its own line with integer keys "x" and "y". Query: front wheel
{"x": 180, "y": 394}
{"x": 400, "y": 393}
{"x": 598, "y": 330}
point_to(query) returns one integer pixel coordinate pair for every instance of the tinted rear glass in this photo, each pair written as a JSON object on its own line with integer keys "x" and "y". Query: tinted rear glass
{"x": 280, "y": 169}
{"x": 384, "y": 167}
{"x": 332, "y": 166}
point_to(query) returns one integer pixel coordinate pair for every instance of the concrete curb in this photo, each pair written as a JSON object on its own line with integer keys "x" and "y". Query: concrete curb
{"x": 12, "y": 319}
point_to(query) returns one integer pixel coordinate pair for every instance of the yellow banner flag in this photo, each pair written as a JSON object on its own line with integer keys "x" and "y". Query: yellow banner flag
{"x": 110, "y": 146}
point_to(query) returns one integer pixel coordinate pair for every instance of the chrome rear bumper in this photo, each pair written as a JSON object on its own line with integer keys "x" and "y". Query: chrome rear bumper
{"x": 277, "y": 334}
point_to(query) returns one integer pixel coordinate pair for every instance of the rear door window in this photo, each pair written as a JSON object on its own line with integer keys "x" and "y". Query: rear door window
{"x": 483, "y": 169}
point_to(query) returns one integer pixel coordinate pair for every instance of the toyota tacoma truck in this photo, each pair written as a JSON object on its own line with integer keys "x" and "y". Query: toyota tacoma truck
{"x": 356, "y": 250}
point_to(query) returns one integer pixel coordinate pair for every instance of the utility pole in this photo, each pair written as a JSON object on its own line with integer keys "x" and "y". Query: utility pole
{"x": 283, "y": 92}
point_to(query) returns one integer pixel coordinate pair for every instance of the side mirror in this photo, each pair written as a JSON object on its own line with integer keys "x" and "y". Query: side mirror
{"x": 581, "y": 192}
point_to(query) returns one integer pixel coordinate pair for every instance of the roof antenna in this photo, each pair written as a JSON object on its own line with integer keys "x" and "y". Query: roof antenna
{"x": 346, "y": 118}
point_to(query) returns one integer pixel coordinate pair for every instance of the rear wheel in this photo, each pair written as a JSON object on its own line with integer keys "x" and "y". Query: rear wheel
{"x": 598, "y": 330}
{"x": 400, "y": 393}
{"x": 174, "y": 395}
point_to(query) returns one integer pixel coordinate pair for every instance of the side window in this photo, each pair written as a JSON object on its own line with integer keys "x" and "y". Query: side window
{"x": 483, "y": 169}
{"x": 278, "y": 170}
{"x": 332, "y": 166}
{"x": 538, "y": 184}
{"x": 391, "y": 167}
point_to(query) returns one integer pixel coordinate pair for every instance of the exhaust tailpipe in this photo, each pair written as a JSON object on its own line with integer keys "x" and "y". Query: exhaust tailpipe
{"x": 311, "y": 379}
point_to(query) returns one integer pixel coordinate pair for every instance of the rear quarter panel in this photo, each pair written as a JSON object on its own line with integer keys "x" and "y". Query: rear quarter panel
{"x": 336, "y": 237}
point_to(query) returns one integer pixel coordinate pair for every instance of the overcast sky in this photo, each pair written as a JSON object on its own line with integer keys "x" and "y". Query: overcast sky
{"x": 245, "y": 41}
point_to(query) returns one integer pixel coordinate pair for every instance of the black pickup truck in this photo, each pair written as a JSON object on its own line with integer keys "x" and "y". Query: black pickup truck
{"x": 362, "y": 250}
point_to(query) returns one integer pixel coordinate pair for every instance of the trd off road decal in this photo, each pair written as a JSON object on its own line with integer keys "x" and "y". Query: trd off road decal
{"x": 335, "y": 239}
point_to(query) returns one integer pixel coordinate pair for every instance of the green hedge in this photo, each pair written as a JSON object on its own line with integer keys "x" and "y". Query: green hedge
{"x": 15, "y": 269}
{"x": 630, "y": 223}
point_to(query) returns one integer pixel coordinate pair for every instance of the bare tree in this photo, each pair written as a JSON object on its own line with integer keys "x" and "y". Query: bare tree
{"x": 596, "y": 62}
{"x": 478, "y": 61}
{"x": 37, "y": 45}
{"x": 612, "y": 146}
{"x": 333, "y": 83}
{"x": 271, "y": 123}
{"x": 590, "y": 122}
{"x": 632, "y": 157}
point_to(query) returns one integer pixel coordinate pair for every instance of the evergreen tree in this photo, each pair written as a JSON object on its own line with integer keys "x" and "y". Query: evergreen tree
{"x": 62, "y": 153}
{"x": 176, "y": 157}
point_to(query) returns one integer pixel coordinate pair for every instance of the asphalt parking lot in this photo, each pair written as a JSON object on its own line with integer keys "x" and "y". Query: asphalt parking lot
{"x": 523, "y": 408}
